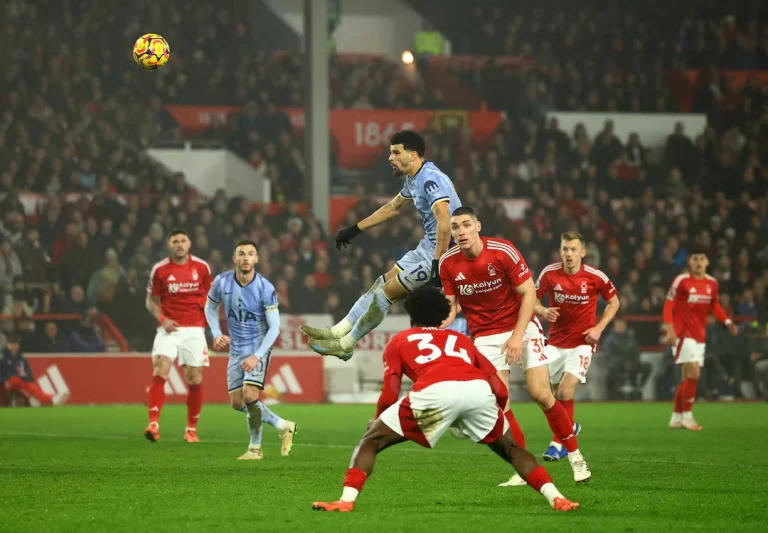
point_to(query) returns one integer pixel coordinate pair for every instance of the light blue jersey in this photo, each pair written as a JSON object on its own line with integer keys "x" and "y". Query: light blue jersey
{"x": 429, "y": 186}
{"x": 245, "y": 309}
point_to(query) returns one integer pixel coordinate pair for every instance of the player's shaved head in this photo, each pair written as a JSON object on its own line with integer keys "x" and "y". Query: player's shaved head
{"x": 464, "y": 210}
{"x": 427, "y": 306}
{"x": 411, "y": 141}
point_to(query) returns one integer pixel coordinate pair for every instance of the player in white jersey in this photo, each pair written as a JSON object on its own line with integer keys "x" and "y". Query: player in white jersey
{"x": 434, "y": 196}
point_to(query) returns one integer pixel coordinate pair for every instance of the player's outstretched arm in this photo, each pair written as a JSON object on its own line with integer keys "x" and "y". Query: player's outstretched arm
{"x": 384, "y": 213}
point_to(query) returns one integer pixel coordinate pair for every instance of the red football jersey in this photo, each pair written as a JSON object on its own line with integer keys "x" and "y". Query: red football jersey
{"x": 576, "y": 296}
{"x": 432, "y": 355}
{"x": 693, "y": 300}
{"x": 182, "y": 289}
{"x": 485, "y": 285}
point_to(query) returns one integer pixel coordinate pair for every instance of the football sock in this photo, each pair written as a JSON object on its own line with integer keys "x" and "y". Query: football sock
{"x": 194, "y": 404}
{"x": 372, "y": 317}
{"x": 678, "y": 401}
{"x": 353, "y": 484}
{"x": 569, "y": 408}
{"x": 243, "y": 409}
{"x": 254, "y": 422}
{"x": 562, "y": 426}
{"x": 268, "y": 417}
{"x": 361, "y": 306}
{"x": 514, "y": 427}
{"x": 540, "y": 481}
{"x": 688, "y": 395}
{"x": 156, "y": 398}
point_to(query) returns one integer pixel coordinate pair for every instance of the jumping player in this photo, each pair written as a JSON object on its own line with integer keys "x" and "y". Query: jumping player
{"x": 690, "y": 299}
{"x": 253, "y": 324}
{"x": 175, "y": 297}
{"x": 491, "y": 282}
{"x": 453, "y": 384}
{"x": 434, "y": 196}
{"x": 573, "y": 289}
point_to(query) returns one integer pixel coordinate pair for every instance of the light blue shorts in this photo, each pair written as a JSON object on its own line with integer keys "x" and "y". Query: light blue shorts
{"x": 237, "y": 377}
{"x": 416, "y": 266}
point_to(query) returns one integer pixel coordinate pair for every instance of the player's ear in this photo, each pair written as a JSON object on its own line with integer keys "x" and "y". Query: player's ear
{"x": 479, "y": 226}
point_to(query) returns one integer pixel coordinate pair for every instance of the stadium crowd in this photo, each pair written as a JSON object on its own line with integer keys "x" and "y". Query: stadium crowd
{"x": 85, "y": 211}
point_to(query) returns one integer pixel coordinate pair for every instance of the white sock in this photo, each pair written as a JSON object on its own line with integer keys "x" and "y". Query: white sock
{"x": 550, "y": 492}
{"x": 575, "y": 455}
{"x": 281, "y": 425}
{"x": 688, "y": 415}
{"x": 349, "y": 494}
{"x": 342, "y": 328}
{"x": 676, "y": 417}
{"x": 557, "y": 445}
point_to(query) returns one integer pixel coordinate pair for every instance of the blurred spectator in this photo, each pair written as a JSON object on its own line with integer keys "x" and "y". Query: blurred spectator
{"x": 16, "y": 375}
{"x": 626, "y": 373}
{"x": 50, "y": 341}
{"x": 10, "y": 265}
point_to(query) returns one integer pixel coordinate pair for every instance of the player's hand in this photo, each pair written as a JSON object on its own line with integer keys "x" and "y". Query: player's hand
{"x": 435, "y": 281}
{"x": 345, "y": 236}
{"x": 592, "y": 335}
{"x": 249, "y": 363}
{"x": 221, "y": 342}
{"x": 551, "y": 314}
{"x": 370, "y": 423}
{"x": 671, "y": 336}
{"x": 513, "y": 349}
{"x": 733, "y": 328}
{"x": 169, "y": 325}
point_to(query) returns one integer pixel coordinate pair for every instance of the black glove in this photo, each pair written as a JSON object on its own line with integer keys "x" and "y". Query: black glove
{"x": 345, "y": 236}
{"x": 436, "y": 281}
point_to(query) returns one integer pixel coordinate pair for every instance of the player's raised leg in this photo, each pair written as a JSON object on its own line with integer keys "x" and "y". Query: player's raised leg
{"x": 345, "y": 325}
{"x": 517, "y": 433}
{"x": 383, "y": 298}
{"x": 161, "y": 366}
{"x": 378, "y": 438}
{"x": 537, "y": 380}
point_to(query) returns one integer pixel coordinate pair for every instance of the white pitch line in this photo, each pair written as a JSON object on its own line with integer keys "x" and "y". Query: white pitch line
{"x": 478, "y": 451}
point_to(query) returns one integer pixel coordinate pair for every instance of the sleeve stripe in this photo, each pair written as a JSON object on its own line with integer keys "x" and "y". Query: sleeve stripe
{"x": 404, "y": 196}
{"x": 673, "y": 289}
{"x": 212, "y": 300}
{"x": 443, "y": 199}
{"x": 599, "y": 273}
{"x": 451, "y": 252}
{"x": 504, "y": 248}
{"x": 270, "y": 308}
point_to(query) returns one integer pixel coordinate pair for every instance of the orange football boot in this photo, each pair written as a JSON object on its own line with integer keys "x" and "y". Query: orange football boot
{"x": 152, "y": 433}
{"x": 338, "y": 505}
{"x": 190, "y": 435}
{"x": 562, "y": 504}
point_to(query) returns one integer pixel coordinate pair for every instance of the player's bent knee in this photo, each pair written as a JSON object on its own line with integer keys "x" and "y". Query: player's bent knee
{"x": 393, "y": 290}
{"x": 250, "y": 393}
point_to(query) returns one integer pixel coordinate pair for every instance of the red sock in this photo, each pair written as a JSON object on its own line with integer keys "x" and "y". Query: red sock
{"x": 355, "y": 478}
{"x": 570, "y": 409}
{"x": 514, "y": 427}
{"x": 156, "y": 398}
{"x": 562, "y": 426}
{"x": 688, "y": 395}
{"x": 678, "y": 402}
{"x": 538, "y": 478}
{"x": 194, "y": 404}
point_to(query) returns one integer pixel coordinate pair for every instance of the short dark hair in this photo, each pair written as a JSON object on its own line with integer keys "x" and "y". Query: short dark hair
{"x": 177, "y": 231}
{"x": 410, "y": 140}
{"x": 464, "y": 210}
{"x": 699, "y": 251}
{"x": 427, "y": 306}
{"x": 246, "y": 242}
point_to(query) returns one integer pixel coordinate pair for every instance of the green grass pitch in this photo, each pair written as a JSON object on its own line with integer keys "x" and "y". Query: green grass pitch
{"x": 89, "y": 469}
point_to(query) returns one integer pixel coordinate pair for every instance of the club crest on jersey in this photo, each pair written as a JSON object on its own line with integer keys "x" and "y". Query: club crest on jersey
{"x": 583, "y": 287}
{"x": 194, "y": 275}
{"x": 491, "y": 270}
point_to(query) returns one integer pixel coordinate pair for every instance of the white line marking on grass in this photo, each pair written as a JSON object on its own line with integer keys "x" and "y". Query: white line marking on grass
{"x": 478, "y": 450}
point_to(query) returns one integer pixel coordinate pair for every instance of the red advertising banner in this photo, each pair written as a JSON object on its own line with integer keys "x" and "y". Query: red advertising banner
{"x": 125, "y": 377}
{"x": 362, "y": 134}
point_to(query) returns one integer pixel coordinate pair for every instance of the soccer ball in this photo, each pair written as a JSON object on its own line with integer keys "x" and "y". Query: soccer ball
{"x": 151, "y": 51}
